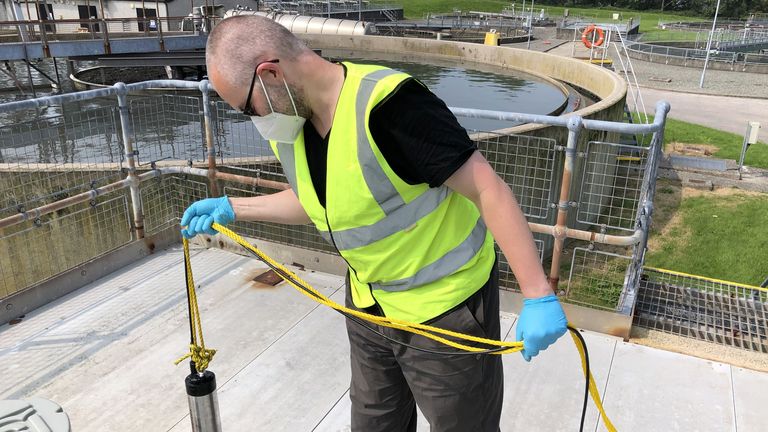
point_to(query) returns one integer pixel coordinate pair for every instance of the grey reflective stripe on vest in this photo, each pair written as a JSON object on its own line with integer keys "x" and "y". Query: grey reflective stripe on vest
{"x": 447, "y": 265}
{"x": 288, "y": 161}
{"x": 381, "y": 188}
{"x": 399, "y": 220}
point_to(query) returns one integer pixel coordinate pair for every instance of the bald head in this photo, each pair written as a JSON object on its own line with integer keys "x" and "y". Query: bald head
{"x": 238, "y": 44}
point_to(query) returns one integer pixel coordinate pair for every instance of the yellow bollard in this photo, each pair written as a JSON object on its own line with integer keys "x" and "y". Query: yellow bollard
{"x": 492, "y": 38}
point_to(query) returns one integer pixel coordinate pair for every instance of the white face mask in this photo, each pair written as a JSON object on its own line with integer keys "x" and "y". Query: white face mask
{"x": 277, "y": 126}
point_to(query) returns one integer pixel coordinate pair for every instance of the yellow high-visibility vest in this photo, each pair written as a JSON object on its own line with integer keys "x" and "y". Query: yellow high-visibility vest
{"x": 416, "y": 251}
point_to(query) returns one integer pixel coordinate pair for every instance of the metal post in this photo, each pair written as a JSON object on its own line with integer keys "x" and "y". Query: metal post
{"x": 709, "y": 45}
{"x": 530, "y": 24}
{"x": 58, "y": 78}
{"x": 210, "y": 149}
{"x": 130, "y": 154}
{"x": 105, "y": 30}
{"x": 159, "y": 23}
{"x": 560, "y": 229}
{"x": 144, "y": 16}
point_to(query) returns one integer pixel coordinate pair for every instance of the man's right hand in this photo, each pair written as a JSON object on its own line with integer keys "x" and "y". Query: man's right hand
{"x": 199, "y": 217}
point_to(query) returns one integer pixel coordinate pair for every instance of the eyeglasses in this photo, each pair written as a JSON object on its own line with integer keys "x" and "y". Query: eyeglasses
{"x": 248, "y": 109}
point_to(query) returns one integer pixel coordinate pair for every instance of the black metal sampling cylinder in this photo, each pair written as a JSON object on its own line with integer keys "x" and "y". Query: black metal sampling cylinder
{"x": 203, "y": 404}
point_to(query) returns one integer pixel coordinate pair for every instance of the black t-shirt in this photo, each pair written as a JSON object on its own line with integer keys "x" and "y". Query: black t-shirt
{"x": 416, "y": 133}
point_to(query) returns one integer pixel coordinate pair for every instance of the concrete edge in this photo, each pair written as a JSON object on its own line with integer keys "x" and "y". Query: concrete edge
{"x": 607, "y": 85}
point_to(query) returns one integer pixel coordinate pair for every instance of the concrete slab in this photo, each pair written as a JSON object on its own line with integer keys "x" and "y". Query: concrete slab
{"x": 750, "y": 397}
{"x": 295, "y": 382}
{"x": 553, "y": 382}
{"x": 655, "y": 390}
{"x": 105, "y": 354}
{"x": 110, "y": 363}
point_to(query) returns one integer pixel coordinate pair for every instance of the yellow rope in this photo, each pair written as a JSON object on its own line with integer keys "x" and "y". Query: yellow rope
{"x": 420, "y": 329}
{"x": 202, "y": 356}
{"x": 592, "y": 386}
{"x": 199, "y": 354}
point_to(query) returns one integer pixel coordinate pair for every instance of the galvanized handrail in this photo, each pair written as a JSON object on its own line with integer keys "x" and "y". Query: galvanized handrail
{"x": 560, "y": 231}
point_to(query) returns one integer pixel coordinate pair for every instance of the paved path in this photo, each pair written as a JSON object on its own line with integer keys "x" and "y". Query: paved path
{"x": 719, "y": 112}
{"x": 728, "y": 113}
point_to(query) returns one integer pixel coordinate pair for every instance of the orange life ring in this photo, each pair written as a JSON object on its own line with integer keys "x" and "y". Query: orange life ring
{"x": 586, "y": 36}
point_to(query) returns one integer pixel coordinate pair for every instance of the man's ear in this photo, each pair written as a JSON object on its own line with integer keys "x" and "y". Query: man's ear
{"x": 270, "y": 73}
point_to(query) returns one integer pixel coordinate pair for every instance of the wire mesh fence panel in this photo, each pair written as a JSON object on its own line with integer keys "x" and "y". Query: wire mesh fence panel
{"x": 168, "y": 127}
{"x": 706, "y": 309}
{"x": 238, "y": 144}
{"x": 527, "y": 164}
{"x": 44, "y": 159}
{"x": 596, "y": 278}
{"x": 164, "y": 200}
{"x": 303, "y": 236}
{"x": 507, "y": 280}
{"x": 60, "y": 241}
{"x": 611, "y": 185}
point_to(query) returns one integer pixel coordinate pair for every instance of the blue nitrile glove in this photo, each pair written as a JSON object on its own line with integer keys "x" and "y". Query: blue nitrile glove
{"x": 199, "y": 217}
{"x": 542, "y": 321}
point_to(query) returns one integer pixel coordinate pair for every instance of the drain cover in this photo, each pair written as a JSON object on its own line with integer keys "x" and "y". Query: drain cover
{"x": 268, "y": 278}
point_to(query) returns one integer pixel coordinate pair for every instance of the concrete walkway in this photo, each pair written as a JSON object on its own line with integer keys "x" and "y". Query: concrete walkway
{"x": 105, "y": 353}
{"x": 728, "y": 113}
{"x": 719, "y": 112}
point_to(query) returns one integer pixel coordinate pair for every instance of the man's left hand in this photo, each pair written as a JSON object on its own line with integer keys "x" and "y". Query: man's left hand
{"x": 542, "y": 321}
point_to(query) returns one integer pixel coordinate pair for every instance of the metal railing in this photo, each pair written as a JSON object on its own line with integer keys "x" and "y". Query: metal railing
{"x": 720, "y": 38}
{"x": 85, "y": 173}
{"x": 691, "y": 54}
{"x": 324, "y": 7}
{"x": 50, "y": 31}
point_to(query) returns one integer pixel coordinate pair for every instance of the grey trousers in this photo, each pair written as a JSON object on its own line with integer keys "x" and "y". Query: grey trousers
{"x": 456, "y": 393}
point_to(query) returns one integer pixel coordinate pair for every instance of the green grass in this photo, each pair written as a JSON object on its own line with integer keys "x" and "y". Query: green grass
{"x": 718, "y": 236}
{"x": 659, "y": 35}
{"x": 415, "y": 9}
{"x": 729, "y": 144}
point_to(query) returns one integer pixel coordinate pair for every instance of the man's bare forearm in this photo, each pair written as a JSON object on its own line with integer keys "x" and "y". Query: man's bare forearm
{"x": 281, "y": 207}
{"x": 505, "y": 219}
{"x": 477, "y": 181}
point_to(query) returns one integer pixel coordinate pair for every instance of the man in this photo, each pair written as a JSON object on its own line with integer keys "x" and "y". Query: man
{"x": 384, "y": 171}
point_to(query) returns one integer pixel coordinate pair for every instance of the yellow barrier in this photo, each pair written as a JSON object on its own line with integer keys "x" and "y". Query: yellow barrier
{"x": 492, "y": 38}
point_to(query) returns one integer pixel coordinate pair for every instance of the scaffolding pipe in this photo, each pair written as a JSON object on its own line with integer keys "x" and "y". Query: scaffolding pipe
{"x": 249, "y": 181}
{"x": 587, "y": 235}
{"x": 62, "y": 204}
{"x": 130, "y": 158}
{"x": 209, "y": 148}
{"x": 560, "y": 228}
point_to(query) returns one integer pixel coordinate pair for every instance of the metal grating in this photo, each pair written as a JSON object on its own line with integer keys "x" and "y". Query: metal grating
{"x": 717, "y": 311}
{"x": 596, "y": 278}
{"x": 60, "y": 241}
{"x": 612, "y": 184}
{"x": 527, "y": 164}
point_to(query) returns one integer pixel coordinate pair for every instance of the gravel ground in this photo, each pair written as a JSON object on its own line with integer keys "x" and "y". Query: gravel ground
{"x": 685, "y": 79}
{"x": 706, "y": 350}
